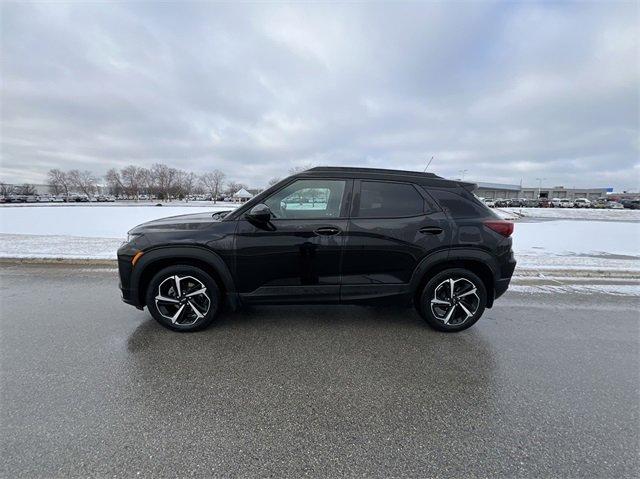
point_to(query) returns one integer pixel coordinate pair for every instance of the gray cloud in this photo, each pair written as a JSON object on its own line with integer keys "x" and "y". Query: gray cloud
{"x": 503, "y": 90}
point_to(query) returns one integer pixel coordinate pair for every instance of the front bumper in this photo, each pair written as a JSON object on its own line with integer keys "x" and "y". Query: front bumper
{"x": 129, "y": 293}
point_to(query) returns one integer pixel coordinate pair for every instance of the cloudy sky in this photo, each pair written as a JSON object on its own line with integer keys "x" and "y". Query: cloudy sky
{"x": 507, "y": 91}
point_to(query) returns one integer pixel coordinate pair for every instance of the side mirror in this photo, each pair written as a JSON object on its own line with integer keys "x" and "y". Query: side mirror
{"x": 259, "y": 213}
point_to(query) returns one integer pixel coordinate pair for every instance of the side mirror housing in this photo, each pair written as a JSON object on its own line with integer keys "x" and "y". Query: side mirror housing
{"x": 260, "y": 213}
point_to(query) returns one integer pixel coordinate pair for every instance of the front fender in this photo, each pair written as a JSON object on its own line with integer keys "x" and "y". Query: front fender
{"x": 175, "y": 253}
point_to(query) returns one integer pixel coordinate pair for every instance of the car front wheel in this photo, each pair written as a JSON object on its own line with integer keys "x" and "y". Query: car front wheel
{"x": 453, "y": 300}
{"x": 183, "y": 298}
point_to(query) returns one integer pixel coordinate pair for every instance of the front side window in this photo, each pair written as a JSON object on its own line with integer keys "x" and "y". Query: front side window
{"x": 388, "y": 200}
{"x": 307, "y": 199}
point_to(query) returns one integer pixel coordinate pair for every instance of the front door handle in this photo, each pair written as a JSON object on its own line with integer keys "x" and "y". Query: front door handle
{"x": 431, "y": 230}
{"x": 327, "y": 231}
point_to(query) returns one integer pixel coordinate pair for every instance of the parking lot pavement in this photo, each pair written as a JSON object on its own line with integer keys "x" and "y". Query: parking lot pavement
{"x": 543, "y": 385}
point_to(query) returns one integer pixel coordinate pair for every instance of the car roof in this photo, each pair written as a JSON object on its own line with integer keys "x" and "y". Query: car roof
{"x": 426, "y": 179}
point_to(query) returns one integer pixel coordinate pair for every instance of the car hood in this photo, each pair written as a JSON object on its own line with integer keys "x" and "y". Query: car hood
{"x": 194, "y": 221}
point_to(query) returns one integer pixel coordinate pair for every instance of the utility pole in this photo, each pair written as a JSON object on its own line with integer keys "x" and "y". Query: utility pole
{"x": 540, "y": 180}
{"x": 462, "y": 172}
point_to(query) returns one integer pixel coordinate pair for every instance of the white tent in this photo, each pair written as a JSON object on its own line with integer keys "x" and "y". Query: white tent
{"x": 242, "y": 195}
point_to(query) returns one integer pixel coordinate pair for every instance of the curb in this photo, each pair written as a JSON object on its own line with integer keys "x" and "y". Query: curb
{"x": 60, "y": 261}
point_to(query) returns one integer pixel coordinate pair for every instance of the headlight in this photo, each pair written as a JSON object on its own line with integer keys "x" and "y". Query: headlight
{"x": 132, "y": 236}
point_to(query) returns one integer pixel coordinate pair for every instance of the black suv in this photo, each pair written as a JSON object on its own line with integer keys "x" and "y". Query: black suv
{"x": 326, "y": 235}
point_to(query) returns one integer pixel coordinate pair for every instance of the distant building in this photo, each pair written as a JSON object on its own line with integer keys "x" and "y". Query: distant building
{"x": 562, "y": 193}
{"x": 241, "y": 196}
{"x": 505, "y": 191}
{"x": 625, "y": 195}
{"x": 497, "y": 190}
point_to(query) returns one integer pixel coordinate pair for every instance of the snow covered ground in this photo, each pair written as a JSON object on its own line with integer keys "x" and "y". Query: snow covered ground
{"x": 91, "y": 221}
{"x": 569, "y": 213}
{"x": 598, "y": 241}
{"x": 578, "y": 245}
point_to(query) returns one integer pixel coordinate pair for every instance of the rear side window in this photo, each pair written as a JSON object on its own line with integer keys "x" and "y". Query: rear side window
{"x": 460, "y": 205}
{"x": 387, "y": 200}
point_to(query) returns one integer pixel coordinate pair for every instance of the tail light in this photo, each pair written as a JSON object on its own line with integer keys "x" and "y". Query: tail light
{"x": 505, "y": 228}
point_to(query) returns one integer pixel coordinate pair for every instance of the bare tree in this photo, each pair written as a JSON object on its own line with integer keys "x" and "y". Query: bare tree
{"x": 6, "y": 189}
{"x": 146, "y": 181}
{"x": 59, "y": 182}
{"x": 131, "y": 176}
{"x": 163, "y": 179}
{"x": 114, "y": 182}
{"x": 272, "y": 181}
{"x": 188, "y": 182}
{"x": 212, "y": 183}
{"x": 84, "y": 181}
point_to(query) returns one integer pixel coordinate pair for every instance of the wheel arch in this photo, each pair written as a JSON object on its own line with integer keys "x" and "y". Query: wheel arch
{"x": 477, "y": 261}
{"x": 156, "y": 259}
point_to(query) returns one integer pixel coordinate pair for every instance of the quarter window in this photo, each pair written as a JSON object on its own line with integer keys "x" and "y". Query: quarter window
{"x": 458, "y": 206}
{"x": 387, "y": 200}
{"x": 308, "y": 199}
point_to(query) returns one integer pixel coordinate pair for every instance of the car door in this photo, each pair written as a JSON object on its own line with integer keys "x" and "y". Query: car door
{"x": 393, "y": 226}
{"x": 296, "y": 256}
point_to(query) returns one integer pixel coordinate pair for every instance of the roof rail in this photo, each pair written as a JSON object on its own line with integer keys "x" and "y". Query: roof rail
{"x": 374, "y": 170}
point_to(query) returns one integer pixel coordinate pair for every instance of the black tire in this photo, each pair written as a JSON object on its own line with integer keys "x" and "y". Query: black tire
{"x": 435, "y": 314}
{"x": 191, "y": 280}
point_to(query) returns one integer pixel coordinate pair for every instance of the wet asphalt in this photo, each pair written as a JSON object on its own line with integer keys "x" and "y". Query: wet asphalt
{"x": 543, "y": 385}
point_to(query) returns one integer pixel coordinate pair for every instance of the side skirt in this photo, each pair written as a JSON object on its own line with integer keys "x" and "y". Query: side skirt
{"x": 333, "y": 294}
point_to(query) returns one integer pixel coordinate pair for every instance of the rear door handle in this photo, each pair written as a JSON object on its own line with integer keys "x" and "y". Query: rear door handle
{"x": 431, "y": 230}
{"x": 327, "y": 231}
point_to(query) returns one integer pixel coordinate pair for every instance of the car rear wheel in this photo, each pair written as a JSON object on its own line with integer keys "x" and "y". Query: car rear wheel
{"x": 183, "y": 298}
{"x": 453, "y": 300}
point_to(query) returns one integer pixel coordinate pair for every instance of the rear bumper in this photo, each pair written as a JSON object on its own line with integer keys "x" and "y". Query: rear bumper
{"x": 501, "y": 287}
{"x": 506, "y": 271}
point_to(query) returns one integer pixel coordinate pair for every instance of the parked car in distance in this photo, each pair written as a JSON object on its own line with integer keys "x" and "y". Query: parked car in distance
{"x": 501, "y": 203}
{"x": 556, "y": 202}
{"x": 326, "y": 235}
{"x": 516, "y": 203}
{"x": 582, "y": 203}
{"x": 565, "y": 203}
{"x": 489, "y": 202}
{"x": 631, "y": 204}
{"x": 614, "y": 205}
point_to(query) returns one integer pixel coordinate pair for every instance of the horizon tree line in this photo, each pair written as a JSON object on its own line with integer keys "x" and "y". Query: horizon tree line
{"x": 160, "y": 180}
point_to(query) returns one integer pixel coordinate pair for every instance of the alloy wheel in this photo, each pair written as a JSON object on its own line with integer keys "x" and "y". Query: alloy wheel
{"x": 455, "y": 301}
{"x": 182, "y": 299}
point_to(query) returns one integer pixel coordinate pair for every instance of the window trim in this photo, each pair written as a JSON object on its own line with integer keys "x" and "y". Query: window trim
{"x": 355, "y": 205}
{"x": 345, "y": 203}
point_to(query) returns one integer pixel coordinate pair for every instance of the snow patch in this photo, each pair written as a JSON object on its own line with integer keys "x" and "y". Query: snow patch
{"x": 611, "y": 289}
